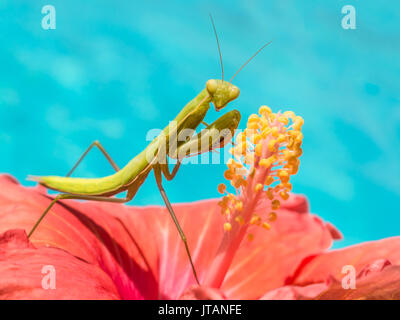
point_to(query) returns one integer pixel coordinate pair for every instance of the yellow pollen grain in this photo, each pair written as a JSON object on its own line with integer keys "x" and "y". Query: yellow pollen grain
{"x": 227, "y": 226}
{"x": 250, "y": 237}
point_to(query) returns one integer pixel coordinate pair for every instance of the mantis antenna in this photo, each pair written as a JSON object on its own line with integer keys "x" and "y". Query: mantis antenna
{"x": 219, "y": 48}
{"x": 258, "y": 51}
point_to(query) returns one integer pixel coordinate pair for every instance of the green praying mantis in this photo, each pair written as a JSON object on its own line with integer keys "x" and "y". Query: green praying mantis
{"x": 155, "y": 156}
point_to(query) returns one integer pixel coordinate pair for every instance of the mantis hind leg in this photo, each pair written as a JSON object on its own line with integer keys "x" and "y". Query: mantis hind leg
{"x": 167, "y": 174}
{"x": 77, "y": 197}
{"x": 157, "y": 173}
{"x": 103, "y": 151}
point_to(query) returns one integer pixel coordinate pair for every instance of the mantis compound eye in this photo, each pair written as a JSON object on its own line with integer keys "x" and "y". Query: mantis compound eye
{"x": 234, "y": 93}
{"x": 211, "y": 86}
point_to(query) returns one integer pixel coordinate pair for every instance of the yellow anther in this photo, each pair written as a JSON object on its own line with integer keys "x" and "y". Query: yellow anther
{"x": 264, "y": 109}
{"x": 255, "y": 220}
{"x": 269, "y": 180}
{"x": 253, "y": 118}
{"x": 284, "y": 195}
{"x": 248, "y": 159}
{"x": 240, "y": 220}
{"x": 275, "y": 204}
{"x": 252, "y": 125}
{"x": 298, "y": 122}
{"x": 272, "y": 117}
{"x": 271, "y": 145}
{"x": 288, "y": 186}
{"x": 294, "y": 169}
{"x": 264, "y": 123}
{"x": 283, "y": 120}
{"x": 281, "y": 138}
{"x": 289, "y": 114}
{"x": 228, "y": 175}
{"x": 265, "y": 132}
{"x": 267, "y": 162}
{"x": 272, "y": 216}
{"x": 232, "y": 164}
{"x": 240, "y": 148}
{"x": 241, "y": 137}
{"x": 250, "y": 237}
{"x": 283, "y": 175}
{"x": 299, "y": 137}
{"x": 270, "y": 193}
{"x": 227, "y": 226}
{"x": 258, "y": 149}
{"x": 258, "y": 187}
{"x": 274, "y": 132}
{"x": 238, "y": 182}
{"x": 221, "y": 188}
{"x": 239, "y": 206}
{"x": 255, "y": 138}
{"x": 266, "y": 226}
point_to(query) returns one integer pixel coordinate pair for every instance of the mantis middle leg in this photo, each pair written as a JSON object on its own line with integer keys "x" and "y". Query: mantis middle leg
{"x": 103, "y": 151}
{"x": 157, "y": 172}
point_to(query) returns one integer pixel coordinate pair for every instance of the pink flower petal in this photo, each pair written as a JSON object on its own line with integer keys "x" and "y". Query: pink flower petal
{"x": 295, "y": 292}
{"x": 330, "y": 264}
{"x": 266, "y": 262}
{"x": 23, "y": 269}
{"x": 383, "y": 285}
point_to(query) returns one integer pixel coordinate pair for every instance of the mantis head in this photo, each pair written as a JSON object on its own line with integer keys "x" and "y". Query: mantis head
{"x": 221, "y": 92}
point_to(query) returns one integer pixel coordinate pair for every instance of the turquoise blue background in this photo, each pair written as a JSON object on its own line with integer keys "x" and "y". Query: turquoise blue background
{"x": 114, "y": 69}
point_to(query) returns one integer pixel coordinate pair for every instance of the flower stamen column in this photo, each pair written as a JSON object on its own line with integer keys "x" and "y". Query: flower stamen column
{"x": 266, "y": 154}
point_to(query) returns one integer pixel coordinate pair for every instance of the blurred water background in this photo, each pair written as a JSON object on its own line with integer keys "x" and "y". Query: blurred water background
{"x": 112, "y": 70}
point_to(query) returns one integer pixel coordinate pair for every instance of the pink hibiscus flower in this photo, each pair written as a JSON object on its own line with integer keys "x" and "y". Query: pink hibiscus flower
{"x": 264, "y": 245}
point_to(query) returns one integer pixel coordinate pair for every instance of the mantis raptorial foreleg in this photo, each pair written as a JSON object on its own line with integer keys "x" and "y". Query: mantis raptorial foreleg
{"x": 157, "y": 174}
{"x": 104, "y": 152}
